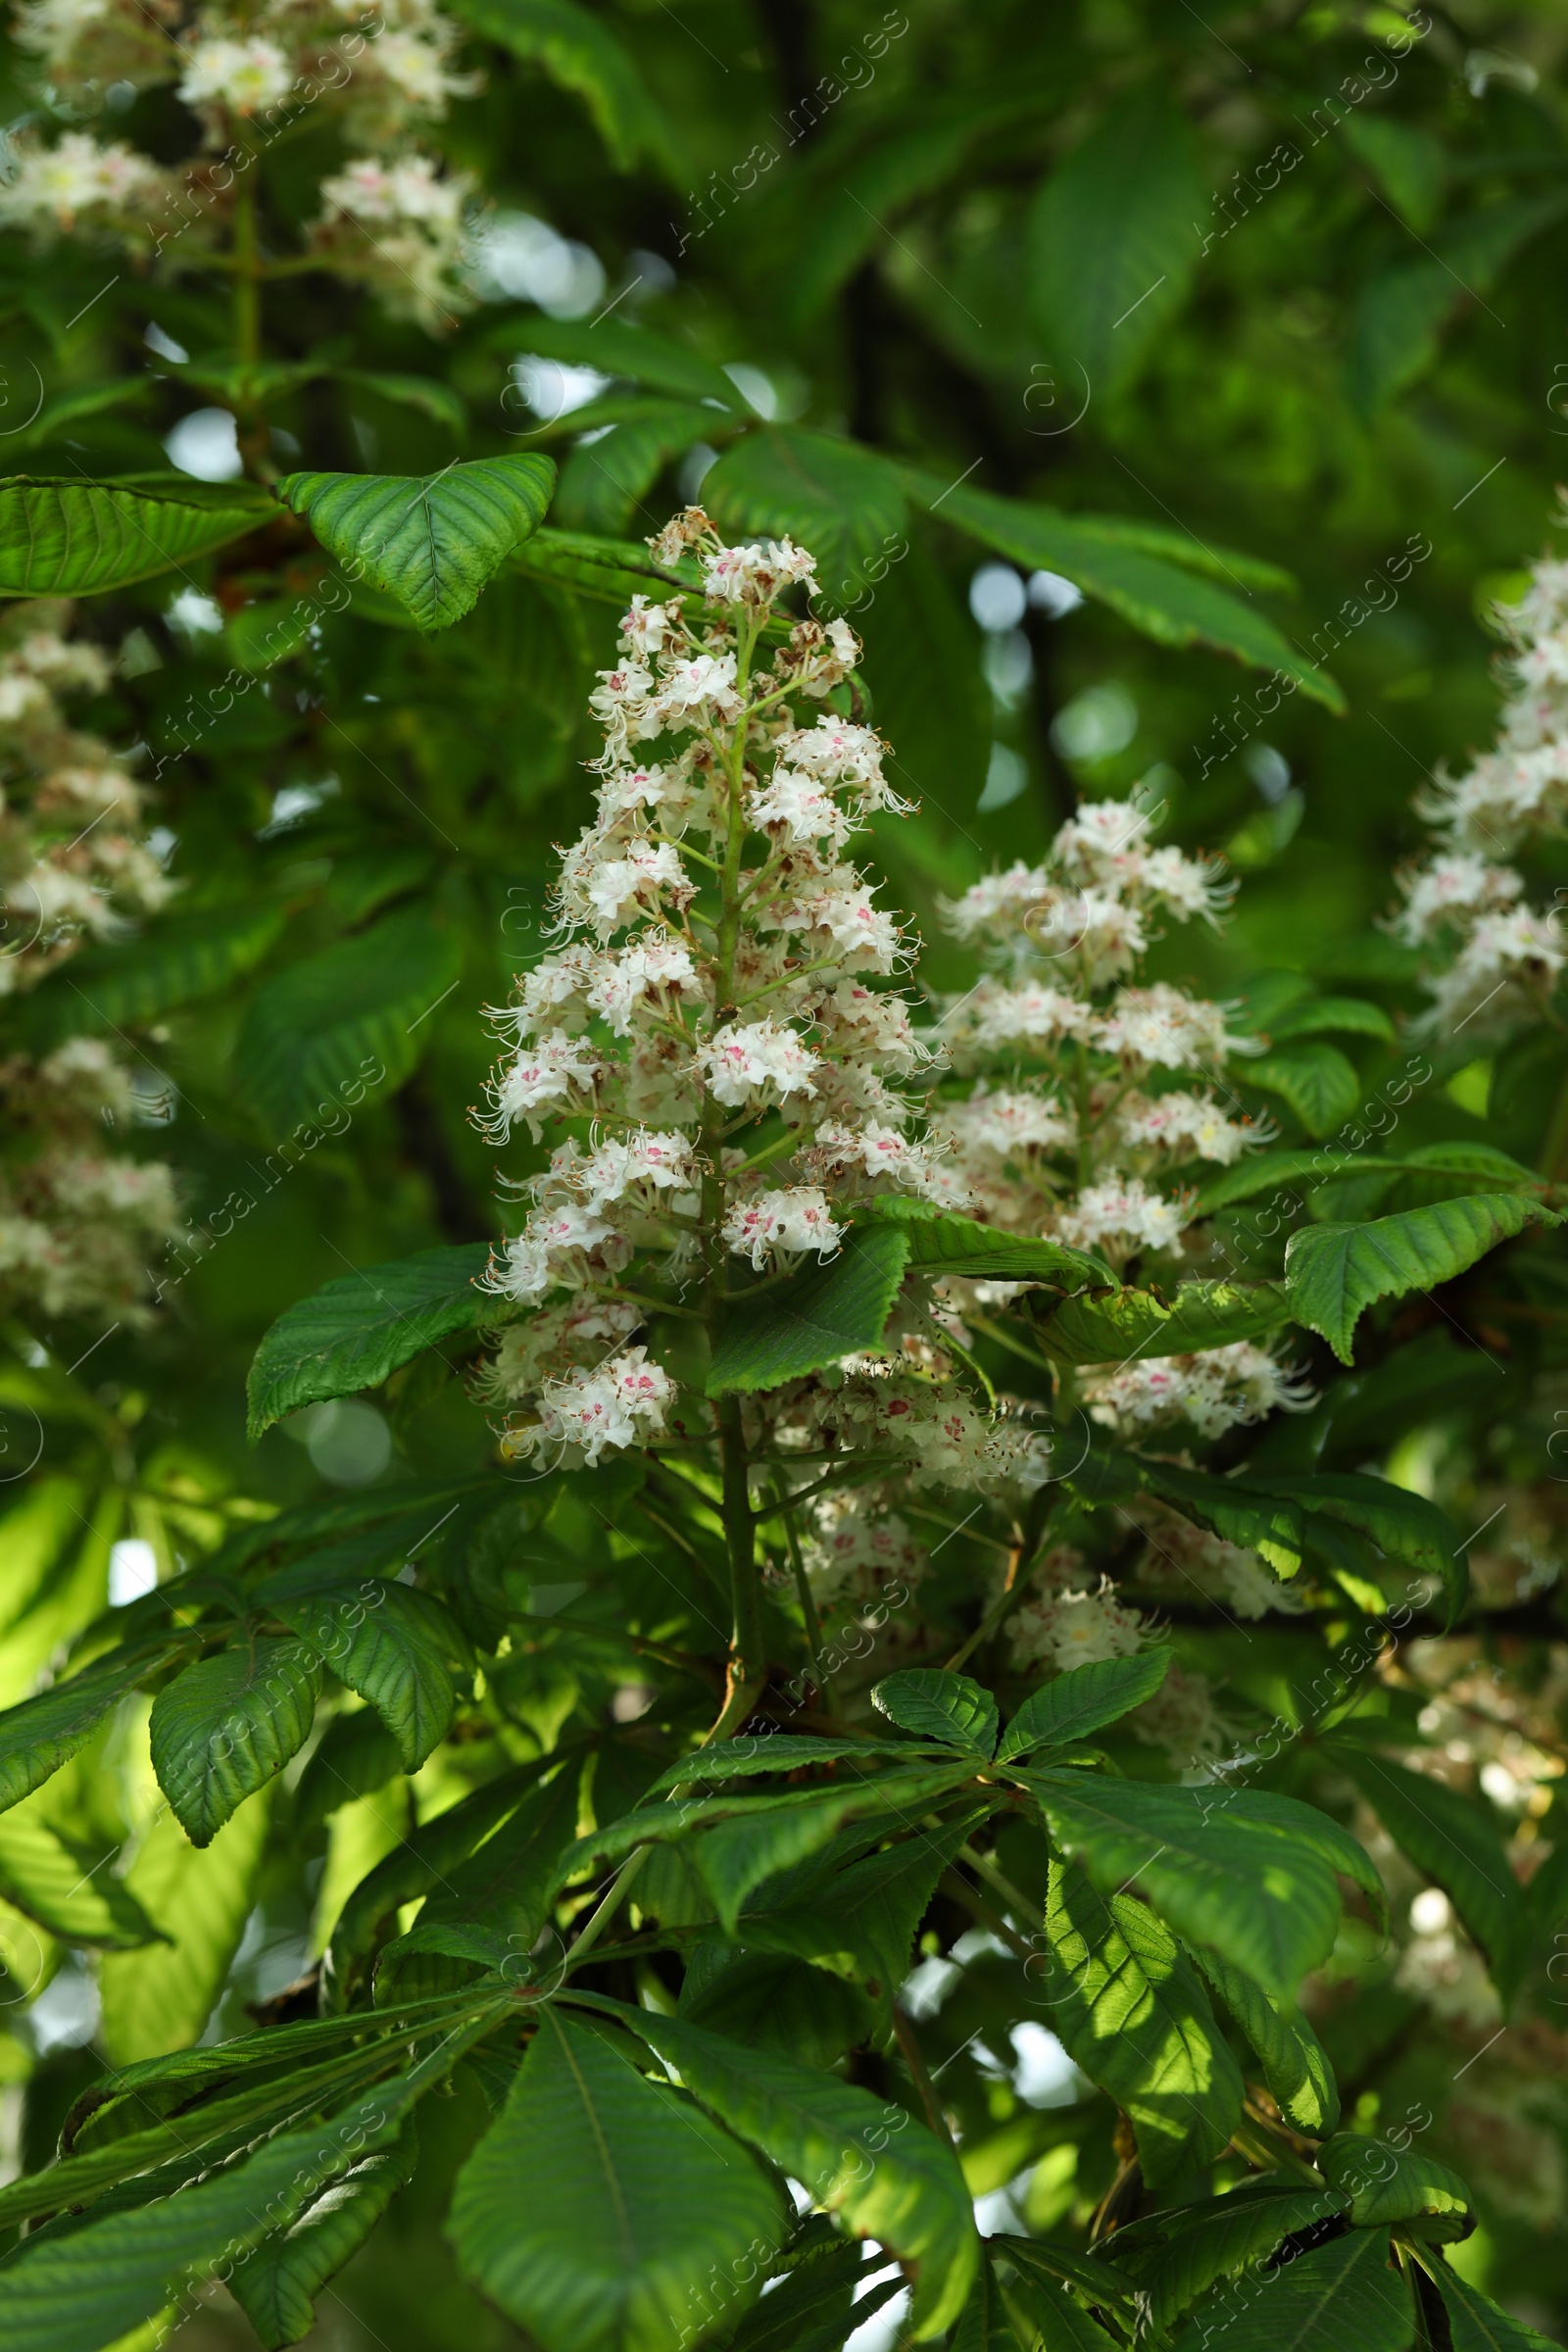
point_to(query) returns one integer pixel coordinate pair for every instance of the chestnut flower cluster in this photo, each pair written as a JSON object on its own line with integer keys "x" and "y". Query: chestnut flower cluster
{"x": 77, "y": 1221}
{"x": 723, "y": 1054}
{"x": 1494, "y": 959}
{"x": 381, "y": 68}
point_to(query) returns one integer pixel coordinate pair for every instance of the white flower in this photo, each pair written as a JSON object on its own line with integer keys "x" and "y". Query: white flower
{"x": 796, "y": 1218}
{"x": 1122, "y": 1212}
{"x": 880, "y": 1150}
{"x": 1215, "y": 1391}
{"x": 659, "y": 1162}
{"x": 740, "y": 1062}
{"x": 1033, "y": 1010}
{"x": 645, "y": 626}
{"x": 1003, "y": 1123}
{"x": 1508, "y": 960}
{"x": 620, "y": 1403}
{"x": 415, "y": 67}
{"x": 754, "y": 575}
{"x": 699, "y": 692}
{"x": 997, "y": 898}
{"x": 1167, "y": 1029}
{"x": 835, "y": 752}
{"x": 554, "y": 1247}
{"x": 1188, "y": 886}
{"x": 411, "y": 189}
{"x": 862, "y": 932}
{"x": 548, "y": 1072}
{"x": 609, "y": 889}
{"x": 76, "y": 183}
{"x": 242, "y": 75}
{"x": 1451, "y": 886}
{"x": 646, "y": 969}
{"x": 799, "y": 807}
{"x": 1189, "y": 1124}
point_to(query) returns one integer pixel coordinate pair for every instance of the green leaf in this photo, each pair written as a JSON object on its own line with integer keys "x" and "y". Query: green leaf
{"x": 1100, "y": 2281}
{"x": 1226, "y": 2236}
{"x": 1294, "y": 2064}
{"x": 943, "y": 1244}
{"x": 1078, "y": 1703}
{"x": 425, "y": 393}
{"x": 1318, "y": 1082}
{"x": 1112, "y": 248}
{"x": 1343, "y": 2294}
{"x": 605, "y": 481}
{"x": 351, "y": 1017}
{"x": 1132, "y": 2015}
{"x": 773, "y": 2001}
{"x": 82, "y": 2288}
{"x": 1063, "y": 2325}
{"x": 939, "y": 1705}
{"x": 617, "y": 348}
{"x": 787, "y": 1751}
{"x": 1475, "y": 2323}
{"x": 70, "y": 537}
{"x": 44, "y": 1733}
{"x": 222, "y": 1729}
{"x": 1165, "y": 601}
{"x": 808, "y": 2306}
{"x": 1335, "y": 1272}
{"x": 843, "y": 502}
{"x": 125, "y": 987}
{"x": 429, "y": 542}
{"x": 491, "y": 1907}
{"x": 850, "y": 2153}
{"x": 1383, "y": 2185}
{"x": 67, "y": 1887}
{"x": 593, "y": 2210}
{"x": 1312, "y": 1017}
{"x": 1222, "y": 1873}
{"x": 1270, "y": 1525}
{"x": 160, "y": 1999}
{"x": 932, "y": 700}
{"x": 580, "y": 52}
{"x": 817, "y": 1316}
{"x": 1401, "y": 312}
{"x": 277, "y": 2285}
{"x": 737, "y": 1855}
{"x": 1453, "y": 1841}
{"x": 1411, "y": 164}
{"x": 1403, "y": 1526}
{"x": 389, "y": 1645}
{"x": 350, "y": 1334}
{"x": 1100, "y": 1328}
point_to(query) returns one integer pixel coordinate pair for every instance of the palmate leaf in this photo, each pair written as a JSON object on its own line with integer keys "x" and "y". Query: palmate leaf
{"x": 388, "y": 1644}
{"x": 1223, "y": 2236}
{"x": 1272, "y": 1524}
{"x": 124, "y": 987}
{"x": 593, "y": 2211}
{"x": 1319, "y": 1083}
{"x": 1060, "y": 2321}
{"x": 320, "y": 1026}
{"x": 1153, "y": 595}
{"x": 1404, "y": 1526}
{"x": 861, "y": 1920}
{"x": 846, "y": 502}
{"x": 815, "y": 1318}
{"x": 1112, "y": 248}
{"x": 580, "y": 52}
{"x": 604, "y": 482}
{"x": 738, "y": 1855}
{"x": 941, "y": 1243}
{"x": 779, "y": 1751}
{"x": 1099, "y": 2279}
{"x": 1475, "y": 2323}
{"x": 1453, "y": 1839}
{"x": 222, "y": 1729}
{"x": 1133, "y": 2017}
{"x": 428, "y": 542}
{"x": 639, "y": 353}
{"x": 1341, "y": 2295}
{"x": 85, "y": 2287}
{"x": 276, "y": 2286}
{"x": 159, "y": 1999}
{"x": 1343, "y": 1017}
{"x": 1294, "y": 2063}
{"x": 938, "y": 1705}
{"x": 1100, "y": 1327}
{"x": 899, "y": 2185}
{"x": 491, "y": 1907}
{"x": 69, "y": 1888}
{"x": 1334, "y": 1273}
{"x": 1080, "y": 1701}
{"x": 1222, "y": 1873}
{"x": 352, "y": 1334}
{"x": 773, "y": 2001}
{"x": 70, "y": 537}
{"x": 44, "y": 1733}
{"x": 1383, "y": 2185}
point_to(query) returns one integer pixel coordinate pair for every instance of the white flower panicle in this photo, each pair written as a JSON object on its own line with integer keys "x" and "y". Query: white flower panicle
{"x": 738, "y": 1096}
{"x": 1491, "y": 962}
{"x": 78, "y": 1220}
